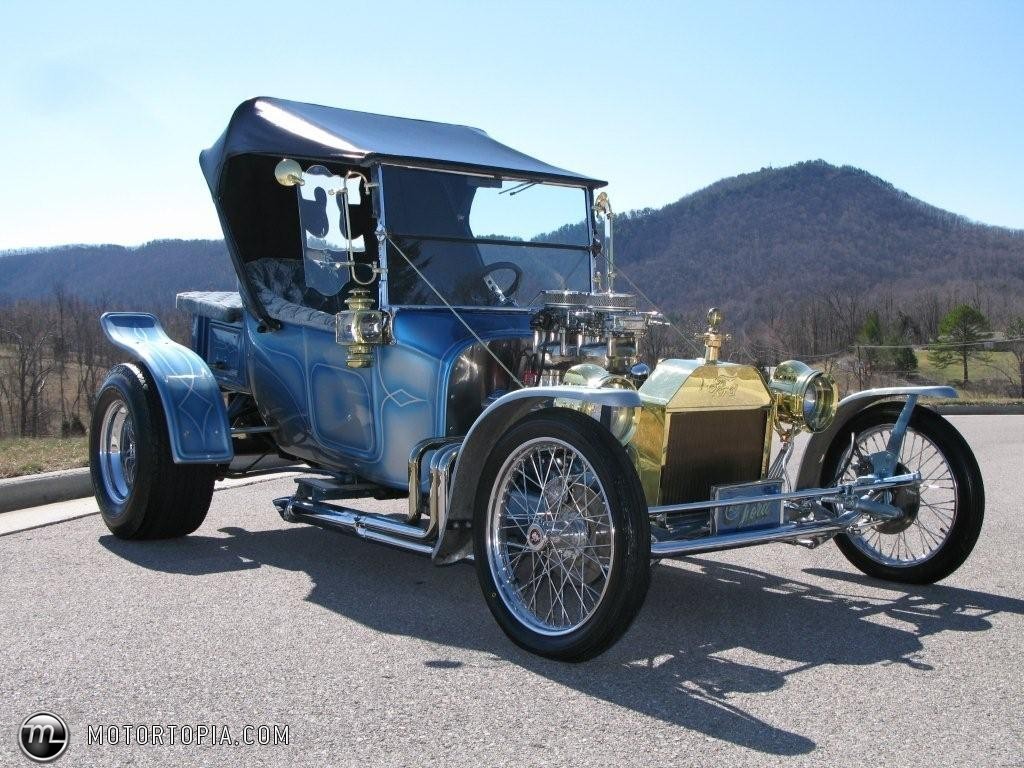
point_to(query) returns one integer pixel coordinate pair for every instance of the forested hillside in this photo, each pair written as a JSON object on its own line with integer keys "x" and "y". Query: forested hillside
{"x": 752, "y": 244}
{"x": 764, "y": 240}
{"x": 146, "y": 276}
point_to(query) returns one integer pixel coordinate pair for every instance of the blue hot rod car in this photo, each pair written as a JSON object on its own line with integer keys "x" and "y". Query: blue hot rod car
{"x": 425, "y": 313}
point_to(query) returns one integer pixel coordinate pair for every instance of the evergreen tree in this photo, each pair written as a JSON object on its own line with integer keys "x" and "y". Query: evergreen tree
{"x": 959, "y": 333}
{"x": 904, "y": 360}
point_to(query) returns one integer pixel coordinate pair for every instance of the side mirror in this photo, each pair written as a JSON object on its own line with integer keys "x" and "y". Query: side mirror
{"x": 288, "y": 173}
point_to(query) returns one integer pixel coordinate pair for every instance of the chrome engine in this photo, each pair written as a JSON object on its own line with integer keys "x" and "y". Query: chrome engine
{"x": 574, "y": 327}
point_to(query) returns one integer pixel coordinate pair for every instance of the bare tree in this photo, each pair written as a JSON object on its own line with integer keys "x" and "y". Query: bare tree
{"x": 1014, "y": 344}
{"x": 657, "y": 343}
{"x": 90, "y": 353}
{"x": 28, "y": 330}
{"x": 60, "y": 347}
{"x": 847, "y": 310}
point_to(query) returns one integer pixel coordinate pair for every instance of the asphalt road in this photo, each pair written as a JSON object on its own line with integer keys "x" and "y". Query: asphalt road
{"x": 374, "y": 657}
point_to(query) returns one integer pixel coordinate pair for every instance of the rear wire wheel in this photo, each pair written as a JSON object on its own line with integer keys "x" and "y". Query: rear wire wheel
{"x": 942, "y": 517}
{"x": 561, "y": 536}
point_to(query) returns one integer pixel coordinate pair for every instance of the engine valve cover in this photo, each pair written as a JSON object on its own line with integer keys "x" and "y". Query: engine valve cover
{"x": 602, "y": 302}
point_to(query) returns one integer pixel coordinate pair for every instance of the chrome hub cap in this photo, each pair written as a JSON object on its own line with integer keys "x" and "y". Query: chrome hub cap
{"x": 550, "y": 536}
{"x": 536, "y": 539}
{"x": 118, "y": 452}
{"x": 908, "y": 500}
{"x": 570, "y": 537}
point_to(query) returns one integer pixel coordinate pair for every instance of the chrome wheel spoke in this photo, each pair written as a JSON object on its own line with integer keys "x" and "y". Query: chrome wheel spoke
{"x": 550, "y": 537}
{"x": 936, "y": 502}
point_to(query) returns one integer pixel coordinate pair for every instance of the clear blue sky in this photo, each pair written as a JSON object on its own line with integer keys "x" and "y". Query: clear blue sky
{"x": 106, "y": 105}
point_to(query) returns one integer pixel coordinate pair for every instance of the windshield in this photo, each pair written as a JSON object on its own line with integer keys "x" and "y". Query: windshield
{"x": 483, "y": 241}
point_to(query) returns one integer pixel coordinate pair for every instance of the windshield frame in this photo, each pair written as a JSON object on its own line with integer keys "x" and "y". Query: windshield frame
{"x": 385, "y": 248}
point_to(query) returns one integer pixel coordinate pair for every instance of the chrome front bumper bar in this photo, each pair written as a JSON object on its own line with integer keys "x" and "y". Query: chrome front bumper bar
{"x": 851, "y": 498}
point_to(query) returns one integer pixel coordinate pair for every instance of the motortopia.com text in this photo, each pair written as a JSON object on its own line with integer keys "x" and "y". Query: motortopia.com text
{"x": 202, "y": 734}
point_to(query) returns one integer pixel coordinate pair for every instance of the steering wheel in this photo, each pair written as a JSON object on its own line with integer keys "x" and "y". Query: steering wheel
{"x": 503, "y": 297}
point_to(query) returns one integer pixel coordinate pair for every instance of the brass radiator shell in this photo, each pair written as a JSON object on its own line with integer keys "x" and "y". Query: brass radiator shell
{"x": 702, "y": 424}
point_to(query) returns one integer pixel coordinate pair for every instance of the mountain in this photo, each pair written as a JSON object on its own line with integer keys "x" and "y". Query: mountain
{"x": 781, "y": 234}
{"x": 748, "y": 244}
{"x": 142, "y": 277}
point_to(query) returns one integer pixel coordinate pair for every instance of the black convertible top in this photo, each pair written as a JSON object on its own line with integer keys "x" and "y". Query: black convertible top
{"x": 282, "y": 128}
{"x": 260, "y": 217}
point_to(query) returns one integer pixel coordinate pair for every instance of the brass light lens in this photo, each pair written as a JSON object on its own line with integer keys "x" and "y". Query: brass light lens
{"x": 804, "y": 397}
{"x": 370, "y": 327}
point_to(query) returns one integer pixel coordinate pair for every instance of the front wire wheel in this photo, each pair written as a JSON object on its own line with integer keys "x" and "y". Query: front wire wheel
{"x": 562, "y": 541}
{"x": 942, "y": 517}
{"x": 550, "y": 536}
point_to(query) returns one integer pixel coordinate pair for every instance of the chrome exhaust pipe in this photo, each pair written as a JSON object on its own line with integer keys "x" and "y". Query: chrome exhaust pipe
{"x": 363, "y": 524}
{"x": 838, "y": 494}
{"x": 415, "y": 465}
{"x": 410, "y": 535}
{"x": 441, "y": 465}
{"x": 786, "y": 532}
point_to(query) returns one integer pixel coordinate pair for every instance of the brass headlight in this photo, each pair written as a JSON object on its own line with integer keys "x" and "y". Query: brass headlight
{"x": 804, "y": 397}
{"x": 622, "y": 421}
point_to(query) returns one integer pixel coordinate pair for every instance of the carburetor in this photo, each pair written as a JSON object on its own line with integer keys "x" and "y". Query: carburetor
{"x": 575, "y": 327}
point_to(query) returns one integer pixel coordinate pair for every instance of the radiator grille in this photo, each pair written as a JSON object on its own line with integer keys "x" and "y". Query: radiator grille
{"x": 707, "y": 448}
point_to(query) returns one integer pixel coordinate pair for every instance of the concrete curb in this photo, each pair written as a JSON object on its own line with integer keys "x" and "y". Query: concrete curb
{"x": 31, "y": 518}
{"x": 45, "y": 488}
{"x": 978, "y": 409}
{"x": 67, "y": 484}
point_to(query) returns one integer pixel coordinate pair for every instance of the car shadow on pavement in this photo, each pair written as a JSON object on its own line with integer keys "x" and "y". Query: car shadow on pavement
{"x": 709, "y": 630}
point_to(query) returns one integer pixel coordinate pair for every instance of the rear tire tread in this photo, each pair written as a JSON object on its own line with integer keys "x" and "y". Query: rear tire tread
{"x": 168, "y": 500}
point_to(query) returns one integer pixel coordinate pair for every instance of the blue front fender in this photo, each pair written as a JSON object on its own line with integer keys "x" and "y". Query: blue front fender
{"x": 197, "y": 422}
{"x": 457, "y": 544}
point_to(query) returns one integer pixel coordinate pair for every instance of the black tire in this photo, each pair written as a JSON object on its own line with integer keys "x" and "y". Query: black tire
{"x": 164, "y": 499}
{"x": 628, "y": 575}
{"x": 968, "y": 506}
